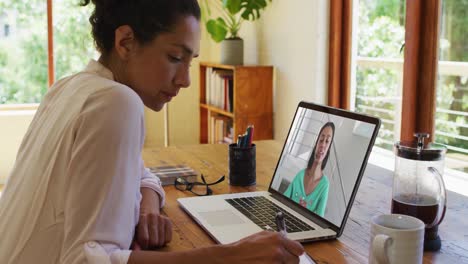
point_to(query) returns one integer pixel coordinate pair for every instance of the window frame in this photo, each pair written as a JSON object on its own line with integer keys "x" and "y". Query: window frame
{"x": 339, "y": 53}
{"x": 419, "y": 70}
{"x": 50, "y": 44}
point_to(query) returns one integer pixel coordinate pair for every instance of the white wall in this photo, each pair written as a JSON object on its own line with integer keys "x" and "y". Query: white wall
{"x": 293, "y": 37}
{"x": 13, "y": 126}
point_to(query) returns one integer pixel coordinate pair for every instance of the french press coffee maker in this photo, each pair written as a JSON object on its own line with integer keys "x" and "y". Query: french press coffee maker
{"x": 418, "y": 186}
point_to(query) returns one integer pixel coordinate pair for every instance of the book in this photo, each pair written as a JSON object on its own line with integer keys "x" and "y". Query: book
{"x": 169, "y": 173}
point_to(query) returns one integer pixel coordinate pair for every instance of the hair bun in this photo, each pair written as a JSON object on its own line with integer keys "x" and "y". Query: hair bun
{"x": 85, "y": 2}
{"x": 147, "y": 18}
{"x": 95, "y": 2}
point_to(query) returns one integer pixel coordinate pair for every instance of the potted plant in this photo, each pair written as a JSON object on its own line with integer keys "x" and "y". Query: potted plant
{"x": 225, "y": 28}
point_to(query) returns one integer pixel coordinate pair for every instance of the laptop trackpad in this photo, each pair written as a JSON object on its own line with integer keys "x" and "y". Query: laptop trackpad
{"x": 221, "y": 217}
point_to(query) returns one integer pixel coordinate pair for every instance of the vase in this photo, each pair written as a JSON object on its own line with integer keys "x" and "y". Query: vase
{"x": 232, "y": 51}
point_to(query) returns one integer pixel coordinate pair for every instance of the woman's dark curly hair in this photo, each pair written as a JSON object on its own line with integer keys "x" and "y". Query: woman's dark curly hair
{"x": 312, "y": 156}
{"x": 147, "y": 18}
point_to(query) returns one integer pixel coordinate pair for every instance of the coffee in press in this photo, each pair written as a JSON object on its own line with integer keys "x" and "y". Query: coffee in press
{"x": 418, "y": 186}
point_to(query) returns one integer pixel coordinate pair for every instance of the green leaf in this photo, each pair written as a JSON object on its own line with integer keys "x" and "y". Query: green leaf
{"x": 233, "y": 6}
{"x": 251, "y": 8}
{"x": 218, "y": 29}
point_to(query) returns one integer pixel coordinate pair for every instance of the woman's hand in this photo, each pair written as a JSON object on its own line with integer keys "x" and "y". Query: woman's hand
{"x": 265, "y": 247}
{"x": 153, "y": 230}
{"x": 303, "y": 202}
{"x": 261, "y": 248}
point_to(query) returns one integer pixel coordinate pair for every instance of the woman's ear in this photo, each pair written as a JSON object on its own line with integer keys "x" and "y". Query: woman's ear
{"x": 125, "y": 41}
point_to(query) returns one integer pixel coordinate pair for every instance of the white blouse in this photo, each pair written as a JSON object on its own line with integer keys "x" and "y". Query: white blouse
{"x": 74, "y": 193}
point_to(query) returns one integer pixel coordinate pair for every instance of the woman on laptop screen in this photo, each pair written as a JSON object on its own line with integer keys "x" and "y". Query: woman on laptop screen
{"x": 310, "y": 186}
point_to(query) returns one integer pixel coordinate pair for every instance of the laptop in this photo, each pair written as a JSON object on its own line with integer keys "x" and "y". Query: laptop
{"x": 312, "y": 212}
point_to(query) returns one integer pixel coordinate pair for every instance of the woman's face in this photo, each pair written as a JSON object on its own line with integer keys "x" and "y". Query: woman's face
{"x": 156, "y": 71}
{"x": 323, "y": 144}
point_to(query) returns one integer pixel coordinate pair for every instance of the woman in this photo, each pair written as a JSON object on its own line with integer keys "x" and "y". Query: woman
{"x": 79, "y": 192}
{"x": 310, "y": 186}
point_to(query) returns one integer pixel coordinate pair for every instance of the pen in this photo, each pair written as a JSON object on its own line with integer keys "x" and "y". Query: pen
{"x": 244, "y": 140}
{"x": 280, "y": 224}
{"x": 251, "y": 135}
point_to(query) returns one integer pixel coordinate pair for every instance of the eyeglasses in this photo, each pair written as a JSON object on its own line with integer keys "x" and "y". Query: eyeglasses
{"x": 198, "y": 188}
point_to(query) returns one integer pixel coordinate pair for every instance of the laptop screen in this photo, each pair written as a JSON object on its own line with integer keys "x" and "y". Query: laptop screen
{"x": 322, "y": 159}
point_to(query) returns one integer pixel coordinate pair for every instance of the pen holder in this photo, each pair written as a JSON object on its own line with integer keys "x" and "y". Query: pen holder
{"x": 242, "y": 169}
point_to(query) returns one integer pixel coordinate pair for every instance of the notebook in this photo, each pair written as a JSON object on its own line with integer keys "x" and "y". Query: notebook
{"x": 169, "y": 173}
{"x": 314, "y": 184}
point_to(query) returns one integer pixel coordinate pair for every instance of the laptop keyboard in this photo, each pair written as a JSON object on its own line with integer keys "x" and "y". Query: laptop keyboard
{"x": 263, "y": 211}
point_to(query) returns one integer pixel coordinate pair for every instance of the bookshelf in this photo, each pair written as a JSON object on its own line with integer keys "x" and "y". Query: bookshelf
{"x": 233, "y": 97}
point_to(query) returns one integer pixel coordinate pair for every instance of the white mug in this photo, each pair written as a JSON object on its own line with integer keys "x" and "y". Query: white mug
{"x": 396, "y": 238}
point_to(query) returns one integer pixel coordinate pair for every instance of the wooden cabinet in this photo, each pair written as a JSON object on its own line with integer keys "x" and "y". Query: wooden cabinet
{"x": 236, "y": 96}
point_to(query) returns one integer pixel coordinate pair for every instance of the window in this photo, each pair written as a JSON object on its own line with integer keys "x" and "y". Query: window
{"x": 73, "y": 43}
{"x": 407, "y": 86}
{"x": 378, "y": 76}
{"x": 24, "y": 48}
{"x": 451, "y": 119}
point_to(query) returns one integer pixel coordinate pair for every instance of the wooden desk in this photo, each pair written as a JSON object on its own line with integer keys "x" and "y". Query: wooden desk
{"x": 373, "y": 198}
